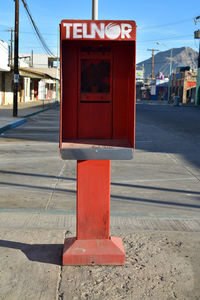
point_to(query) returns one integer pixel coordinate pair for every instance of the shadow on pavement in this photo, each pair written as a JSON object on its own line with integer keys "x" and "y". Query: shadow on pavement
{"x": 156, "y": 201}
{"x": 44, "y": 253}
{"x": 155, "y": 188}
{"x": 120, "y": 197}
{"x": 36, "y": 175}
{"x": 74, "y": 179}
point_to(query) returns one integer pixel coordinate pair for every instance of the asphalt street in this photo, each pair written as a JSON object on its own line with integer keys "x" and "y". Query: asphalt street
{"x": 155, "y": 209}
{"x": 162, "y": 179}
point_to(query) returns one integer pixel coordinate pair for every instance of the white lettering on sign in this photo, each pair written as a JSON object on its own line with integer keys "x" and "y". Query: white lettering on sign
{"x": 100, "y": 31}
{"x": 94, "y": 30}
{"x": 126, "y": 30}
{"x": 67, "y": 25}
{"x": 77, "y": 32}
{"x": 111, "y": 31}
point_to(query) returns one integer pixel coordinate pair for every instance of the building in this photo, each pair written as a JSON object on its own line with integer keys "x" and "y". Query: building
{"x": 159, "y": 87}
{"x": 30, "y": 87}
{"x": 4, "y": 69}
{"x": 197, "y": 96}
{"x": 38, "y": 77}
{"x": 43, "y": 63}
{"x": 139, "y": 74}
{"x": 183, "y": 84}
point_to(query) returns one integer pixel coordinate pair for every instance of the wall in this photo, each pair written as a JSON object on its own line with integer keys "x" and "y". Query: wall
{"x": 39, "y": 60}
{"x": 4, "y": 56}
{"x": 8, "y": 88}
{"x": 197, "y": 100}
{"x": 1, "y": 93}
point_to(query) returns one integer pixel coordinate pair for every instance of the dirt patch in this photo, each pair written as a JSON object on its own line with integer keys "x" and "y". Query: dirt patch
{"x": 161, "y": 265}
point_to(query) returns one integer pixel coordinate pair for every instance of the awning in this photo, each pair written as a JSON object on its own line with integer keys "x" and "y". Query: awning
{"x": 50, "y": 81}
{"x": 26, "y": 73}
{"x": 30, "y": 73}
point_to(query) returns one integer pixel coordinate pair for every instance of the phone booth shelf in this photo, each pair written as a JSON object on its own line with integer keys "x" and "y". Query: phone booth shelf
{"x": 97, "y": 124}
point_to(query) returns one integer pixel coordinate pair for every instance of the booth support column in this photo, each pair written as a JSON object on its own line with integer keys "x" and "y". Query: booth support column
{"x": 93, "y": 199}
{"x": 93, "y": 244}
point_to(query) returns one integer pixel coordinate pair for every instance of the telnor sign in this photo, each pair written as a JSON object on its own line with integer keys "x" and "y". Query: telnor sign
{"x": 98, "y": 30}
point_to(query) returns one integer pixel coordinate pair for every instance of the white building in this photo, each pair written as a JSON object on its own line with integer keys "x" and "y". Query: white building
{"x": 4, "y": 68}
{"x": 38, "y": 77}
{"x": 4, "y": 57}
{"x": 47, "y": 88}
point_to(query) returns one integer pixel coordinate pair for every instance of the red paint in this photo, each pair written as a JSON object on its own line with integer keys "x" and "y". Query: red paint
{"x": 98, "y": 60}
{"x": 98, "y": 30}
{"x": 93, "y": 252}
{"x": 93, "y": 199}
{"x": 102, "y": 115}
{"x": 93, "y": 244}
{"x": 191, "y": 84}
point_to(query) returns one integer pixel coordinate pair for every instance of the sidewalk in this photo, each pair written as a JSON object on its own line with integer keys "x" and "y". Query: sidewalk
{"x": 25, "y": 110}
{"x": 162, "y": 259}
{"x": 155, "y": 209}
{"x": 165, "y": 102}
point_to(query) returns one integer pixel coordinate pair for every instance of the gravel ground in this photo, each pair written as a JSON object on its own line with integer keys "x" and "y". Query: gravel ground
{"x": 159, "y": 265}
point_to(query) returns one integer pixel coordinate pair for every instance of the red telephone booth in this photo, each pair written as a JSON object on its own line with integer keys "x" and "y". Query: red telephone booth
{"x": 97, "y": 125}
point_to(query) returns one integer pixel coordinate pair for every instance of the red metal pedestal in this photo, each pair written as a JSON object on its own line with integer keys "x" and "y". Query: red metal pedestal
{"x": 93, "y": 244}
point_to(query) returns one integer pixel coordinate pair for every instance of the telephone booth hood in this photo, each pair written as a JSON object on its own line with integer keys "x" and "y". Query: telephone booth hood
{"x": 97, "y": 117}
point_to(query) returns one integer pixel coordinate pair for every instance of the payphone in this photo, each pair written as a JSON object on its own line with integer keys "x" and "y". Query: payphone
{"x": 97, "y": 125}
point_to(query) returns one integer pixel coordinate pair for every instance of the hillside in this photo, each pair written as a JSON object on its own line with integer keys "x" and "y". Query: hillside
{"x": 181, "y": 56}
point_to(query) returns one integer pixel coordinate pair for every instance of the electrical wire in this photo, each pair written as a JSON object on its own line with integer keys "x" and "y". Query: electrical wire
{"x": 166, "y": 39}
{"x": 39, "y": 35}
{"x": 169, "y": 24}
{"x": 161, "y": 63}
{"x": 6, "y": 48}
{"x": 28, "y": 32}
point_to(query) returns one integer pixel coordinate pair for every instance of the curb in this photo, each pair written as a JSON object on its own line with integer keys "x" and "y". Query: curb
{"x": 39, "y": 111}
{"x": 12, "y": 125}
{"x": 23, "y": 119}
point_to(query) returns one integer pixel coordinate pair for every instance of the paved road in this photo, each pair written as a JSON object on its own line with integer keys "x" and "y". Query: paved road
{"x": 162, "y": 180}
{"x": 155, "y": 208}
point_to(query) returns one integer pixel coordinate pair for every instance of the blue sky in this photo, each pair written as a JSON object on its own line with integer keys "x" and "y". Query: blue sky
{"x": 170, "y": 22}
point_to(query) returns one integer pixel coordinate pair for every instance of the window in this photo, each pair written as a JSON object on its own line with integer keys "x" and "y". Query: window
{"x": 95, "y": 76}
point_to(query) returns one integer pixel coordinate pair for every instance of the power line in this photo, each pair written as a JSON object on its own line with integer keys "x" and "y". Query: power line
{"x": 39, "y": 47}
{"x": 1, "y": 45}
{"x": 28, "y": 32}
{"x": 169, "y": 38}
{"x": 39, "y": 35}
{"x": 169, "y": 24}
{"x": 160, "y": 63}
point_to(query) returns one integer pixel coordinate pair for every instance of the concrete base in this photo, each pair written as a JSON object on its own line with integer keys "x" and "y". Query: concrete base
{"x": 93, "y": 252}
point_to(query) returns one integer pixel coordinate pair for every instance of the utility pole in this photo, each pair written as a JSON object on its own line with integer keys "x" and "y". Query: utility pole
{"x": 31, "y": 64}
{"x": 152, "y": 63}
{"x": 170, "y": 69}
{"x": 16, "y": 54}
{"x": 57, "y": 65}
{"x": 143, "y": 71}
{"x": 11, "y": 45}
{"x": 94, "y": 9}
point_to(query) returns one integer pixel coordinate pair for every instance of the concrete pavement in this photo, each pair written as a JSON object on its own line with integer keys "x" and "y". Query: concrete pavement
{"x": 155, "y": 208}
{"x": 25, "y": 110}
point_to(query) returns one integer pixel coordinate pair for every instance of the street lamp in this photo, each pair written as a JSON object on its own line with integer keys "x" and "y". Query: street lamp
{"x": 170, "y": 68}
{"x": 94, "y": 9}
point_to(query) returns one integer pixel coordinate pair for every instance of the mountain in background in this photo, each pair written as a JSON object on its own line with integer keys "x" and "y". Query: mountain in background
{"x": 180, "y": 56}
